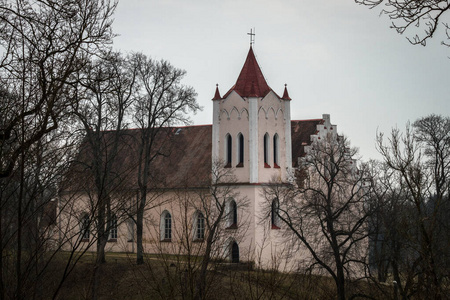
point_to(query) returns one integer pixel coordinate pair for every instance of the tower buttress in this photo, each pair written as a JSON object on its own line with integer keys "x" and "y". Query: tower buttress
{"x": 253, "y": 138}
{"x": 216, "y": 127}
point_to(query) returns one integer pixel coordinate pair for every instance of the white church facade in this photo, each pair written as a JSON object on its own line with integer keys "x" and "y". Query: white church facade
{"x": 255, "y": 141}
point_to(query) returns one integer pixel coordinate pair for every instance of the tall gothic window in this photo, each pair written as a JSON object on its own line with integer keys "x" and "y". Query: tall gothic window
{"x": 84, "y": 227}
{"x": 228, "y": 151}
{"x": 234, "y": 253}
{"x": 276, "y": 162}
{"x": 232, "y": 214}
{"x": 130, "y": 227}
{"x": 113, "y": 228}
{"x": 166, "y": 226}
{"x": 200, "y": 227}
{"x": 266, "y": 150}
{"x": 240, "y": 150}
{"x": 234, "y": 211}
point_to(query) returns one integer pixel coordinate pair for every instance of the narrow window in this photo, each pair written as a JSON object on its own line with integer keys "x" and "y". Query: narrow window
{"x": 276, "y": 163}
{"x": 240, "y": 150}
{"x": 234, "y": 253}
{"x": 200, "y": 233}
{"x": 234, "y": 210}
{"x": 84, "y": 227}
{"x": 113, "y": 228}
{"x": 130, "y": 227}
{"x": 274, "y": 214}
{"x": 166, "y": 226}
{"x": 228, "y": 151}
{"x": 266, "y": 151}
{"x": 232, "y": 214}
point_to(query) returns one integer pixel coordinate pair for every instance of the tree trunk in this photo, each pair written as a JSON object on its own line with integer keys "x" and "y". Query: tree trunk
{"x": 100, "y": 260}
{"x": 139, "y": 231}
{"x": 101, "y": 232}
{"x": 340, "y": 282}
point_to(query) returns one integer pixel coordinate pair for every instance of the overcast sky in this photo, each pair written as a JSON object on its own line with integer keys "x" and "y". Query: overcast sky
{"x": 336, "y": 57}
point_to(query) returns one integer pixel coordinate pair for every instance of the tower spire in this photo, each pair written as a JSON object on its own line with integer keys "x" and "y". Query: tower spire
{"x": 286, "y": 94}
{"x": 217, "y": 94}
{"x": 251, "y": 81}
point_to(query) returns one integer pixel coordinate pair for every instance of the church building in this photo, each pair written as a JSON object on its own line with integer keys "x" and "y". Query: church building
{"x": 253, "y": 138}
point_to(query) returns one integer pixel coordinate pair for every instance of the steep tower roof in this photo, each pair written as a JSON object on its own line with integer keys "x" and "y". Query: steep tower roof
{"x": 251, "y": 81}
{"x": 286, "y": 94}
{"x": 217, "y": 94}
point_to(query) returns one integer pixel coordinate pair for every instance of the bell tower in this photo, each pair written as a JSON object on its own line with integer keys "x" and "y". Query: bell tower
{"x": 252, "y": 127}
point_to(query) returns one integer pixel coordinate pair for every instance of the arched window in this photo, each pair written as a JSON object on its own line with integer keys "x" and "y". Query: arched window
{"x": 240, "y": 150}
{"x": 166, "y": 226}
{"x": 274, "y": 214}
{"x": 113, "y": 228}
{"x": 234, "y": 253}
{"x": 130, "y": 227}
{"x": 200, "y": 227}
{"x": 84, "y": 227}
{"x": 266, "y": 150}
{"x": 276, "y": 163}
{"x": 228, "y": 151}
{"x": 232, "y": 215}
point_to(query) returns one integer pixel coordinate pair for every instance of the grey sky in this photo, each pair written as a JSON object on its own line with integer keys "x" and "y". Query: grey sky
{"x": 335, "y": 56}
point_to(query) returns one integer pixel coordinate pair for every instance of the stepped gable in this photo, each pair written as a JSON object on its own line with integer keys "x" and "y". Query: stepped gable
{"x": 251, "y": 81}
{"x": 301, "y": 131}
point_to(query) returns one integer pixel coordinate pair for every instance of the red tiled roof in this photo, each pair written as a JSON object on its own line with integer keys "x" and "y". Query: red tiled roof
{"x": 185, "y": 160}
{"x": 251, "y": 81}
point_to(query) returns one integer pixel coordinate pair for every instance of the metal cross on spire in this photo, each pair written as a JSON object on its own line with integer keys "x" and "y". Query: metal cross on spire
{"x": 252, "y": 36}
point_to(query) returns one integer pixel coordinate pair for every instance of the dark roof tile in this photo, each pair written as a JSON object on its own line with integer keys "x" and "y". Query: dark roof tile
{"x": 184, "y": 160}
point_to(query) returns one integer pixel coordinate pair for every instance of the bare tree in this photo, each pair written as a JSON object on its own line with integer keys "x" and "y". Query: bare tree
{"x": 326, "y": 212}
{"x": 43, "y": 44}
{"x": 420, "y": 159}
{"x": 161, "y": 102}
{"x": 29, "y": 214}
{"x": 105, "y": 91}
{"x": 433, "y": 135}
{"x": 408, "y": 15}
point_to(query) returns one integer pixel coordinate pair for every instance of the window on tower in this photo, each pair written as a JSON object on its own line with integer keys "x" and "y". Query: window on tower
{"x": 228, "y": 151}
{"x": 240, "y": 151}
{"x": 276, "y": 163}
{"x": 266, "y": 151}
{"x": 232, "y": 214}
